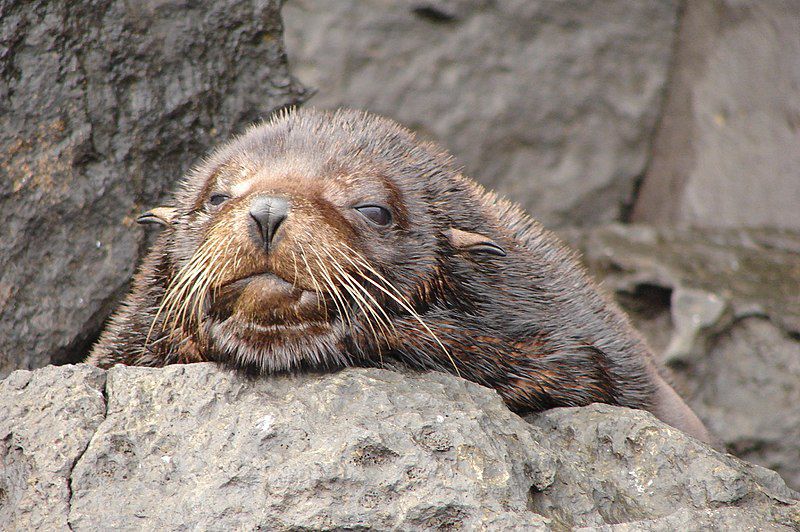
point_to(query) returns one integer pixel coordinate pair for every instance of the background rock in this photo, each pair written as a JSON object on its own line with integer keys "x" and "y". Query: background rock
{"x": 552, "y": 103}
{"x": 722, "y": 306}
{"x": 103, "y": 106}
{"x": 727, "y": 151}
{"x": 195, "y": 446}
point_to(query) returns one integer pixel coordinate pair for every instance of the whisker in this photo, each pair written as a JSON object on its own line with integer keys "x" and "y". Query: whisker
{"x": 183, "y": 288}
{"x": 375, "y": 309}
{"x": 334, "y": 290}
{"x": 167, "y": 301}
{"x": 353, "y": 289}
{"x": 294, "y": 279}
{"x": 195, "y": 288}
{"x": 405, "y": 304}
{"x": 385, "y": 319}
{"x": 316, "y": 284}
{"x": 216, "y": 273}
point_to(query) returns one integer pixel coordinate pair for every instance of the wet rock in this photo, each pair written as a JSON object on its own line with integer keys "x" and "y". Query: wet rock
{"x": 196, "y": 446}
{"x": 103, "y": 106}
{"x": 726, "y": 152}
{"x": 722, "y": 307}
{"x": 551, "y": 103}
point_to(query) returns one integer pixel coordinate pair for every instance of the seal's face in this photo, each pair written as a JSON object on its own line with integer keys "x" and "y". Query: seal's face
{"x": 294, "y": 249}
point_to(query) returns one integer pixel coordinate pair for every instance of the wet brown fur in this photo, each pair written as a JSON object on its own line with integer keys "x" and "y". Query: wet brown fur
{"x": 461, "y": 281}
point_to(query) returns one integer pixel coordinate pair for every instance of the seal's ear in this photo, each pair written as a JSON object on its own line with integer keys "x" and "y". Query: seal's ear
{"x": 473, "y": 242}
{"x": 160, "y": 215}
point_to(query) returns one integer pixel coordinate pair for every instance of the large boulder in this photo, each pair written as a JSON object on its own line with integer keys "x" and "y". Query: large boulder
{"x": 727, "y": 150}
{"x": 552, "y": 103}
{"x": 197, "y": 447}
{"x": 721, "y": 307}
{"x": 103, "y": 106}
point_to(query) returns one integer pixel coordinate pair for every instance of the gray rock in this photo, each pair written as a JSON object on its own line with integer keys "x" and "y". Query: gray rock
{"x": 552, "y": 103}
{"x": 103, "y": 106}
{"x": 729, "y": 519}
{"x": 722, "y": 305}
{"x": 198, "y": 447}
{"x": 47, "y": 418}
{"x": 361, "y": 448}
{"x": 624, "y": 466}
{"x": 726, "y": 152}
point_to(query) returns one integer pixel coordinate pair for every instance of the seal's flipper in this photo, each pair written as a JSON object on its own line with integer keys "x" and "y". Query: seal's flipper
{"x": 672, "y": 410}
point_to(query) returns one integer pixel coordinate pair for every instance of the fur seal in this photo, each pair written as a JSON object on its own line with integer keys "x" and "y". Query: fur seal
{"x": 323, "y": 240}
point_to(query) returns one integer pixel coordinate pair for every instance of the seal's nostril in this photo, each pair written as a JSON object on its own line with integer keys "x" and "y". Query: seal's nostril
{"x": 268, "y": 213}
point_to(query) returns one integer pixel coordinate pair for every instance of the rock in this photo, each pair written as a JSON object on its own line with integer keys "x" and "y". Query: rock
{"x": 618, "y": 466}
{"x": 196, "y": 446}
{"x": 103, "y": 106}
{"x": 722, "y": 305}
{"x": 719, "y": 519}
{"x": 552, "y": 103}
{"x": 47, "y": 418}
{"x": 726, "y": 152}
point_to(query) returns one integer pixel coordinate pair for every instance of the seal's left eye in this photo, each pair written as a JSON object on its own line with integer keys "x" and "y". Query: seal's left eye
{"x": 218, "y": 199}
{"x": 376, "y": 214}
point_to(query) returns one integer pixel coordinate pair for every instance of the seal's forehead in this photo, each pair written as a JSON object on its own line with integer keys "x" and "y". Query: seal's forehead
{"x": 349, "y": 153}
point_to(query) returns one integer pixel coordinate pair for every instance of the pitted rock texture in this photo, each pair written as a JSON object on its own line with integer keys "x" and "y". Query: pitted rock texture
{"x": 722, "y": 307}
{"x": 47, "y": 418}
{"x": 551, "y": 103}
{"x": 620, "y": 467}
{"x": 197, "y": 447}
{"x": 103, "y": 106}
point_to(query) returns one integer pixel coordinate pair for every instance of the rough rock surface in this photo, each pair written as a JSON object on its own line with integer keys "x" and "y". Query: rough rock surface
{"x": 727, "y": 151}
{"x": 195, "y": 447}
{"x": 47, "y": 418}
{"x": 722, "y": 307}
{"x": 103, "y": 106}
{"x": 624, "y": 466}
{"x": 552, "y": 103}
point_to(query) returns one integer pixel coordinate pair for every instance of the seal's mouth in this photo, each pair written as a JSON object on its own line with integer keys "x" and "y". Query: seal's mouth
{"x": 265, "y": 302}
{"x": 306, "y": 326}
{"x": 268, "y": 280}
{"x": 264, "y": 322}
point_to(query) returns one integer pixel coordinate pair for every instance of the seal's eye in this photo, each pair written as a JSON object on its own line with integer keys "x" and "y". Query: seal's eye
{"x": 376, "y": 214}
{"x": 218, "y": 199}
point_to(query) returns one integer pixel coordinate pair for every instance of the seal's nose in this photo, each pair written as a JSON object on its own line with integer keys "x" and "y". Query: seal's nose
{"x": 268, "y": 212}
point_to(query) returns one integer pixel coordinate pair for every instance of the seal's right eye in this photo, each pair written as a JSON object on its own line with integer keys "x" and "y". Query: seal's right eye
{"x": 218, "y": 199}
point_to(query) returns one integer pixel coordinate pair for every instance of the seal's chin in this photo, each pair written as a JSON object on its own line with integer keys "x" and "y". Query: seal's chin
{"x": 274, "y": 348}
{"x": 265, "y": 323}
